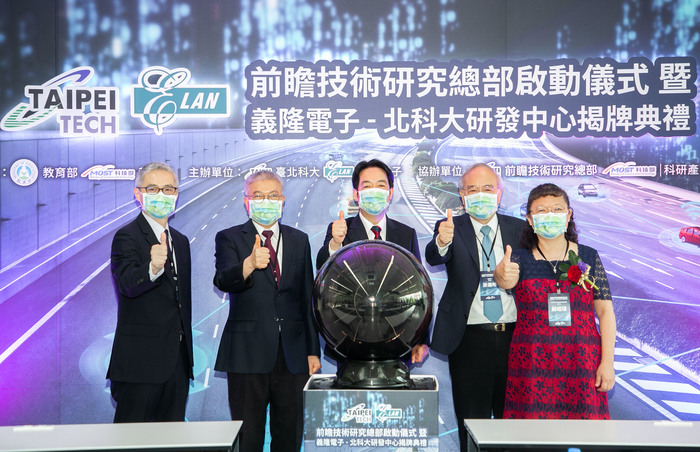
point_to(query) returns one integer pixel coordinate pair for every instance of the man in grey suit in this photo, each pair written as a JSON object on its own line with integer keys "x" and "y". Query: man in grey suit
{"x": 475, "y": 320}
{"x": 270, "y": 344}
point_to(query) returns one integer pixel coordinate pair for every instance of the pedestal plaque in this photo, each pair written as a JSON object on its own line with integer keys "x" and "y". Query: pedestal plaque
{"x": 370, "y": 419}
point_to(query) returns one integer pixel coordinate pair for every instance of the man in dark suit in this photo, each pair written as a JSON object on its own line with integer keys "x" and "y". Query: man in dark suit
{"x": 475, "y": 320}
{"x": 151, "y": 363}
{"x": 373, "y": 190}
{"x": 270, "y": 344}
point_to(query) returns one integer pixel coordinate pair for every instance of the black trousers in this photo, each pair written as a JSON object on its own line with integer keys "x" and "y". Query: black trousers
{"x": 145, "y": 402}
{"x": 479, "y": 371}
{"x": 249, "y": 396}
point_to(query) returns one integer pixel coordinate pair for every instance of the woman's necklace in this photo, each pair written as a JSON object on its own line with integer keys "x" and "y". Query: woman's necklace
{"x": 554, "y": 265}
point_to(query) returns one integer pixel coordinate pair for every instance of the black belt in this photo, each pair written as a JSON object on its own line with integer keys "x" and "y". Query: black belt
{"x": 497, "y": 327}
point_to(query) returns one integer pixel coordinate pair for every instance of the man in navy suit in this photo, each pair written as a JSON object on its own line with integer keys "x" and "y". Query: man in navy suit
{"x": 373, "y": 190}
{"x": 474, "y": 325}
{"x": 151, "y": 363}
{"x": 270, "y": 344}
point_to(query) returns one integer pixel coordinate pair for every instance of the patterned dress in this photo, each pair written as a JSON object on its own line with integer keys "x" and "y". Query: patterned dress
{"x": 551, "y": 370}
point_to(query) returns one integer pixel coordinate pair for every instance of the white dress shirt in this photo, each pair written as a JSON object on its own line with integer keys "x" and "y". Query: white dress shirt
{"x": 476, "y": 313}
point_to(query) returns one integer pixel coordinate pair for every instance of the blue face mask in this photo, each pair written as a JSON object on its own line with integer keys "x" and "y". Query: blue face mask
{"x": 159, "y": 205}
{"x": 265, "y": 212}
{"x": 374, "y": 200}
{"x": 481, "y": 205}
{"x": 549, "y": 225}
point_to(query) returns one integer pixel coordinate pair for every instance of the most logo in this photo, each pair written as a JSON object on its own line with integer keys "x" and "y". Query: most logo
{"x": 163, "y": 95}
{"x": 630, "y": 169}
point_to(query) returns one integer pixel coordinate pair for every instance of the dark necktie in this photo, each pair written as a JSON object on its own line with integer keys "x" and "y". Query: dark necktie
{"x": 275, "y": 267}
{"x": 377, "y": 231}
{"x": 171, "y": 265}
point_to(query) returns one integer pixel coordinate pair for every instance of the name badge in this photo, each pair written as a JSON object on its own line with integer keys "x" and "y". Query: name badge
{"x": 559, "y": 309}
{"x": 488, "y": 287}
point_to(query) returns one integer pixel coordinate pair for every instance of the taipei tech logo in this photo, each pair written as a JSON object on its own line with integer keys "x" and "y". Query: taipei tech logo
{"x": 162, "y": 96}
{"x": 79, "y": 110}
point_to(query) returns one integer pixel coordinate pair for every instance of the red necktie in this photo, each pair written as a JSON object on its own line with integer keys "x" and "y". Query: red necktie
{"x": 377, "y": 230}
{"x": 273, "y": 255}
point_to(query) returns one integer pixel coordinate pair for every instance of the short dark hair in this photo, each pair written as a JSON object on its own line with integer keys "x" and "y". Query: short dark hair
{"x": 374, "y": 163}
{"x": 528, "y": 238}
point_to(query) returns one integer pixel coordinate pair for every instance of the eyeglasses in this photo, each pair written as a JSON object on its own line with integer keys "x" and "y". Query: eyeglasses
{"x": 556, "y": 209}
{"x": 473, "y": 189}
{"x": 258, "y": 197}
{"x": 154, "y": 189}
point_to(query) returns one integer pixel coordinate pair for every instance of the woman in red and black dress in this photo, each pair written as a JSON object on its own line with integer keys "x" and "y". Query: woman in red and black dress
{"x": 559, "y": 366}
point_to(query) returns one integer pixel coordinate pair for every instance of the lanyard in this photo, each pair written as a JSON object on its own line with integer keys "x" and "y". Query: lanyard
{"x": 493, "y": 244}
{"x": 554, "y": 266}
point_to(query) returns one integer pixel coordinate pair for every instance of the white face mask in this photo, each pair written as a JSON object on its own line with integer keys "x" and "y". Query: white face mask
{"x": 265, "y": 212}
{"x": 159, "y": 205}
{"x": 481, "y": 205}
{"x": 549, "y": 225}
{"x": 374, "y": 200}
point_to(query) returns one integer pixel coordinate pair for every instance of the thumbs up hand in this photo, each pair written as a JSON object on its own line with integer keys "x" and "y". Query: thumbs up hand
{"x": 159, "y": 254}
{"x": 260, "y": 257}
{"x": 446, "y": 231}
{"x": 507, "y": 272}
{"x": 338, "y": 230}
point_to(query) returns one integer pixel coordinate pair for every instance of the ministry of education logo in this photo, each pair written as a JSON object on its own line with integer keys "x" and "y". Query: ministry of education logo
{"x": 24, "y": 172}
{"x": 163, "y": 95}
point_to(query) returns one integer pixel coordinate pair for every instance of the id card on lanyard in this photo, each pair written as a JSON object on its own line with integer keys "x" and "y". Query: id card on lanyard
{"x": 488, "y": 288}
{"x": 558, "y": 303}
{"x": 559, "y": 309}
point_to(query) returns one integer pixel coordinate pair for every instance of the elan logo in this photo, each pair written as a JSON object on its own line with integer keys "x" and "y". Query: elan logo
{"x": 163, "y": 95}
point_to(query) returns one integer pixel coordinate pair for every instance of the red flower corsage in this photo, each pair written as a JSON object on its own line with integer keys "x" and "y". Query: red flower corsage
{"x": 577, "y": 272}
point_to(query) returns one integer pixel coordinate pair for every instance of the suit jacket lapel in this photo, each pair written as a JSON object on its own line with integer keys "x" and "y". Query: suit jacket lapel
{"x": 510, "y": 232}
{"x": 148, "y": 233}
{"x": 356, "y": 231}
{"x": 288, "y": 253}
{"x": 466, "y": 231}
{"x": 392, "y": 232}
{"x": 151, "y": 240}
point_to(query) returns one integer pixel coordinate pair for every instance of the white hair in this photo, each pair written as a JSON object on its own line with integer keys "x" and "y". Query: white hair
{"x": 147, "y": 168}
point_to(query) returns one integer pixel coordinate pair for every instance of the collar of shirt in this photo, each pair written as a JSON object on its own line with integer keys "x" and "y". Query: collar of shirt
{"x": 368, "y": 226}
{"x": 276, "y": 240}
{"x": 493, "y": 224}
{"x": 157, "y": 228}
{"x": 476, "y": 314}
{"x": 275, "y": 228}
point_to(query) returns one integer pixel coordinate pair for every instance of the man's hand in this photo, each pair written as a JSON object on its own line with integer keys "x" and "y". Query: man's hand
{"x": 314, "y": 364}
{"x": 159, "y": 254}
{"x": 338, "y": 230}
{"x": 260, "y": 257}
{"x": 419, "y": 353}
{"x": 446, "y": 231}
{"x": 507, "y": 273}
